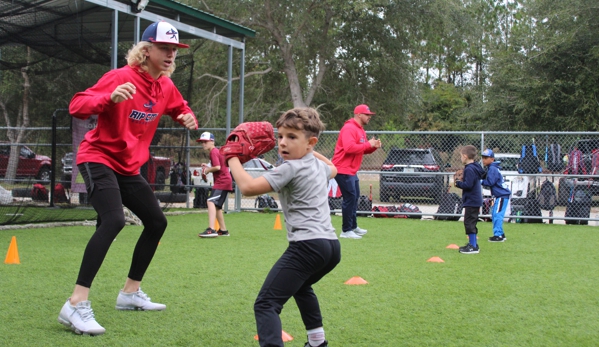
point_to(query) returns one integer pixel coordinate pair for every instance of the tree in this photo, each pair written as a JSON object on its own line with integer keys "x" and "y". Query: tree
{"x": 547, "y": 75}
{"x": 17, "y": 131}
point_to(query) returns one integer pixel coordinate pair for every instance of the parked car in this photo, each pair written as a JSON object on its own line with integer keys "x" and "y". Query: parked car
{"x": 520, "y": 185}
{"x": 67, "y": 169}
{"x": 411, "y": 172}
{"x": 255, "y": 167}
{"x": 30, "y": 164}
{"x": 154, "y": 170}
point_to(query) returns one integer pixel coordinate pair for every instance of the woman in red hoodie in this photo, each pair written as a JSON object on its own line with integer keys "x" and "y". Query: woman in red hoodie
{"x": 129, "y": 103}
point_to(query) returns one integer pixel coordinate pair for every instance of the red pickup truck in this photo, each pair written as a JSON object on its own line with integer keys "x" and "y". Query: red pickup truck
{"x": 30, "y": 164}
{"x": 154, "y": 170}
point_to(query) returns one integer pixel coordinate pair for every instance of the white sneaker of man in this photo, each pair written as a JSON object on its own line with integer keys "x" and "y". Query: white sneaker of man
{"x": 349, "y": 235}
{"x": 137, "y": 301}
{"x": 80, "y": 318}
{"x": 359, "y": 231}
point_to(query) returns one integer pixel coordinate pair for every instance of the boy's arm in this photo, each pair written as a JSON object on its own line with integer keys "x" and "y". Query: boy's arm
{"x": 247, "y": 184}
{"x": 326, "y": 161}
{"x": 208, "y": 169}
{"x": 492, "y": 178}
{"x": 468, "y": 181}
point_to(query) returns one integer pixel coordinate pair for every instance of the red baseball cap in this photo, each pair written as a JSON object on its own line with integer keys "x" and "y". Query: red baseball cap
{"x": 362, "y": 109}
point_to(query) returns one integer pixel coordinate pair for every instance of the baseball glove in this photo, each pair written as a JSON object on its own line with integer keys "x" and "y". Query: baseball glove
{"x": 458, "y": 175}
{"x": 249, "y": 140}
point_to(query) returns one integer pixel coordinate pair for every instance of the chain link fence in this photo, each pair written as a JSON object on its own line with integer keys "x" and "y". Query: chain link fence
{"x": 410, "y": 176}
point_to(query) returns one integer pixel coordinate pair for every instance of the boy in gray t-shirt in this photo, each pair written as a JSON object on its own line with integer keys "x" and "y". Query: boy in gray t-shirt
{"x": 314, "y": 250}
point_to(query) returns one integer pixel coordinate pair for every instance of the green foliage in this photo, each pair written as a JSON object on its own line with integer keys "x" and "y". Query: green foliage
{"x": 538, "y": 285}
{"x": 440, "y": 109}
{"x": 495, "y": 65}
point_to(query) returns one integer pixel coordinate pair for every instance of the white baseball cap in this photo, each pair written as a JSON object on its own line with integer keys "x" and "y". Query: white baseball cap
{"x": 206, "y": 136}
{"x": 162, "y": 32}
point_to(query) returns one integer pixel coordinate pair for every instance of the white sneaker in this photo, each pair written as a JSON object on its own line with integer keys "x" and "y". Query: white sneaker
{"x": 349, "y": 235}
{"x": 80, "y": 318}
{"x": 359, "y": 231}
{"x": 137, "y": 301}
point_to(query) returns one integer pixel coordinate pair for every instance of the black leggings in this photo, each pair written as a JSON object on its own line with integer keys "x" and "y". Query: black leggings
{"x": 303, "y": 264}
{"x": 108, "y": 191}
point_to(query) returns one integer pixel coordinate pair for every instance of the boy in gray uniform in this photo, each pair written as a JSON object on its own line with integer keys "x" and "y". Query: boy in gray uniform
{"x": 314, "y": 250}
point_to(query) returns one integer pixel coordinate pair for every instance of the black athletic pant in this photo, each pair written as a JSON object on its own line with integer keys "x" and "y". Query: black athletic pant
{"x": 108, "y": 191}
{"x": 302, "y": 264}
{"x": 470, "y": 219}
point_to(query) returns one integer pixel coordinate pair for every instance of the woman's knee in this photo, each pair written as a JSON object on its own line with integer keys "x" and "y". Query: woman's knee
{"x": 113, "y": 220}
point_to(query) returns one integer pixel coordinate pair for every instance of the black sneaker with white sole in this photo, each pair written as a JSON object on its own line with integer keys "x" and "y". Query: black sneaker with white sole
{"x": 496, "y": 238}
{"x": 469, "y": 249}
{"x": 208, "y": 233}
{"x": 324, "y": 344}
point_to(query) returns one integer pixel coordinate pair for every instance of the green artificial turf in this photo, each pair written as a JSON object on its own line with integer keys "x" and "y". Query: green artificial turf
{"x": 539, "y": 288}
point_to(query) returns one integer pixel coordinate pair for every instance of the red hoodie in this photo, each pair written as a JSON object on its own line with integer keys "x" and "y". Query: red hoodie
{"x": 351, "y": 146}
{"x": 121, "y": 139}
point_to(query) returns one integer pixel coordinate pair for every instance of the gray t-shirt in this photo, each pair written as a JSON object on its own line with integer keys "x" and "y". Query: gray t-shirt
{"x": 302, "y": 187}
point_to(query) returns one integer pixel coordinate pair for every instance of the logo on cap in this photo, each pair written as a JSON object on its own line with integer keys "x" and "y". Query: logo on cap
{"x": 362, "y": 109}
{"x": 488, "y": 153}
{"x": 162, "y": 32}
{"x": 206, "y": 136}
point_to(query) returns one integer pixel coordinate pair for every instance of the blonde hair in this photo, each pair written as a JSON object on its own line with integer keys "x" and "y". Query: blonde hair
{"x": 305, "y": 119}
{"x": 137, "y": 57}
{"x": 469, "y": 151}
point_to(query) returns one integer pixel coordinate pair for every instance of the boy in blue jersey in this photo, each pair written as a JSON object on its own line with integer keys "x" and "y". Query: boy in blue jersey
{"x": 501, "y": 194}
{"x": 472, "y": 197}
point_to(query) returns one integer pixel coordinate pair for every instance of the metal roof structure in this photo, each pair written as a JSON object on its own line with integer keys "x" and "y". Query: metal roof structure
{"x": 86, "y": 31}
{"x": 48, "y": 25}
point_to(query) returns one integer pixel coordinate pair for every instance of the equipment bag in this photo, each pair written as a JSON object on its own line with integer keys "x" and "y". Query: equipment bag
{"x": 39, "y": 193}
{"x": 409, "y": 208}
{"x": 579, "y": 207}
{"x": 529, "y": 161}
{"x": 364, "y": 204}
{"x": 575, "y": 163}
{"x": 201, "y": 197}
{"x": 385, "y": 212}
{"x": 595, "y": 162}
{"x": 265, "y": 201}
{"x": 451, "y": 203}
{"x": 487, "y": 209}
{"x": 526, "y": 207}
{"x": 553, "y": 157}
{"x": 178, "y": 178}
{"x": 547, "y": 196}
{"x": 60, "y": 194}
{"x": 335, "y": 203}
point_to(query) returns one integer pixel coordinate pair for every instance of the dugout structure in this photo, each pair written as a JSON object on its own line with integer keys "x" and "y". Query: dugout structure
{"x": 101, "y": 32}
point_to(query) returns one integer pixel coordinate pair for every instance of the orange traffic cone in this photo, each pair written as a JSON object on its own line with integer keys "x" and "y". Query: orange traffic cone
{"x": 453, "y": 246}
{"x": 12, "y": 257}
{"x": 435, "y": 260}
{"x": 278, "y": 225}
{"x": 286, "y": 337}
{"x": 356, "y": 280}
{"x": 216, "y": 225}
